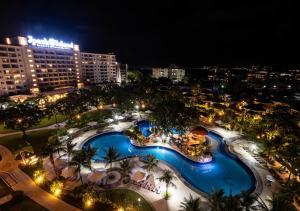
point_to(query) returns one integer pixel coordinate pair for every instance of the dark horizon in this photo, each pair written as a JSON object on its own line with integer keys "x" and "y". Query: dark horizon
{"x": 156, "y": 33}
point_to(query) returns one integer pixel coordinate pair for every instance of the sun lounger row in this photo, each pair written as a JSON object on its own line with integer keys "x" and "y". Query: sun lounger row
{"x": 148, "y": 186}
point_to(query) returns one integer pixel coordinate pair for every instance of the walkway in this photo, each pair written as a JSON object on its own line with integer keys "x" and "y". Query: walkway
{"x": 21, "y": 181}
{"x": 236, "y": 145}
{"x": 50, "y": 127}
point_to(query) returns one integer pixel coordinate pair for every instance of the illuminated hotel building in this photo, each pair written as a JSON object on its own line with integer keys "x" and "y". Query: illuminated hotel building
{"x": 38, "y": 65}
{"x": 13, "y": 76}
{"x": 99, "y": 68}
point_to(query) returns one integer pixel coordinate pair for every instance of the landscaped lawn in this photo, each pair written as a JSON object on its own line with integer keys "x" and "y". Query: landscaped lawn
{"x": 4, "y": 130}
{"x": 4, "y": 190}
{"x": 44, "y": 123}
{"x": 24, "y": 204}
{"x": 121, "y": 195}
{"x": 37, "y": 139}
{"x": 118, "y": 196}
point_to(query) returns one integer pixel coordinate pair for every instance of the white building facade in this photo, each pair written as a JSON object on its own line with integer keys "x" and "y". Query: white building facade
{"x": 35, "y": 65}
{"x": 174, "y": 73}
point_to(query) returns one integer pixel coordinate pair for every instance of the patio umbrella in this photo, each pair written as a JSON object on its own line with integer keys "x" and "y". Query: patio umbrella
{"x": 68, "y": 171}
{"x": 60, "y": 163}
{"x": 96, "y": 176}
{"x": 270, "y": 178}
{"x": 138, "y": 176}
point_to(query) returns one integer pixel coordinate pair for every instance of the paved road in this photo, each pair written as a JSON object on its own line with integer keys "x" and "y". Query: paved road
{"x": 21, "y": 181}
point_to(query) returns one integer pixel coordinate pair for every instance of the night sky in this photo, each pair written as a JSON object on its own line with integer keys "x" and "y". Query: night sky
{"x": 157, "y": 33}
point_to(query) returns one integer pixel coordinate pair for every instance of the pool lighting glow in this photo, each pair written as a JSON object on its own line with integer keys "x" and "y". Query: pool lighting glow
{"x": 49, "y": 43}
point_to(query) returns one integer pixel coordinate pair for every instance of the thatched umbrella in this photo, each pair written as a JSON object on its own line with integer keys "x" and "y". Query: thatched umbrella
{"x": 96, "y": 176}
{"x": 138, "y": 176}
{"x": 68, "y": 172}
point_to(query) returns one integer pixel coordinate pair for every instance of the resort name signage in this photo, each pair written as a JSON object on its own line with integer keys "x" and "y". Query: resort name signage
{"x": 49, "y": 43}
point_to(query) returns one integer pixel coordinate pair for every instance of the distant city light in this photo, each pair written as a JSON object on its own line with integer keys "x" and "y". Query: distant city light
{"x": 49, "y": 43}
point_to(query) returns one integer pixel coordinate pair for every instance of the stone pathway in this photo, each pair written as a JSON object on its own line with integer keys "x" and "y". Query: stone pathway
{"x": 21, "y": 181}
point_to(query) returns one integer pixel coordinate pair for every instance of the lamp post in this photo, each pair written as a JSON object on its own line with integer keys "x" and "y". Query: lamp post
{"x": 139, "y": 203}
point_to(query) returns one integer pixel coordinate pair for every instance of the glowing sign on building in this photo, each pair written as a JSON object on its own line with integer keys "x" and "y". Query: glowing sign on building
{"x": 49, "y": 43}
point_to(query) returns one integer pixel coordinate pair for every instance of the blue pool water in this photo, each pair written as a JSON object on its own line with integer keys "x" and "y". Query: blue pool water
{"x": 145, "y": 127}
{"x": 224, "y": 172}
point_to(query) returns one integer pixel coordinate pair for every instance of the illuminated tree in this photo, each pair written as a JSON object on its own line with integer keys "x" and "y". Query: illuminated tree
{"x": 168, "y": 177}
{"x": 150, "y": 162}
{"x": 82, "y": 158}
{"x": 191, "y": 204}
{"x": 111, "y": 155}
{"x": 22, "y": 116}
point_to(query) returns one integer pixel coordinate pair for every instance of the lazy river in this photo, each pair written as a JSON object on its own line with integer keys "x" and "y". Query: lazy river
{"x": 224, "y": 172}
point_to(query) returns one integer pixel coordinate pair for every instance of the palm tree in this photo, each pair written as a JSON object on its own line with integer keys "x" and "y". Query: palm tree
{"x": 76, "y": 161}
{"x": 82, "y": 158}
{"x": 168, "y": 177}
{"x": 247, "y": 200}
{"x": 56, "y": 143}
{"x": 278, "y": 202}
{"x": 49, "y": 150}
{"x": 216, "y": 200}
{"x": 126, "y": 167}
{"x": 111, "y": 154}
{"x": 191, "y": 204}
{"x": 150, "y": 163}
{"x": 89, "y": 153}
{"x": 69, "y": 149}
{"x": 291, "y": 152}
{"x": 232, "y": 203}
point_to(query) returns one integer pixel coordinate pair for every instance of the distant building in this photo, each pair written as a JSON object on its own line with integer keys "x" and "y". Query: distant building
{"x": 174, "y": 73}
{"x": 123, "y": 73}
{"x": 98, "y": 68}
{"x": 257, "y": 76}
{"x": 35, "y": 65}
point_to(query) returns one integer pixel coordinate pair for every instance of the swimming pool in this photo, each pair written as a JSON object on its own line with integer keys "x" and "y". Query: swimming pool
{"x": 145, "y": 127}
{"x": 224, "y": 172}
